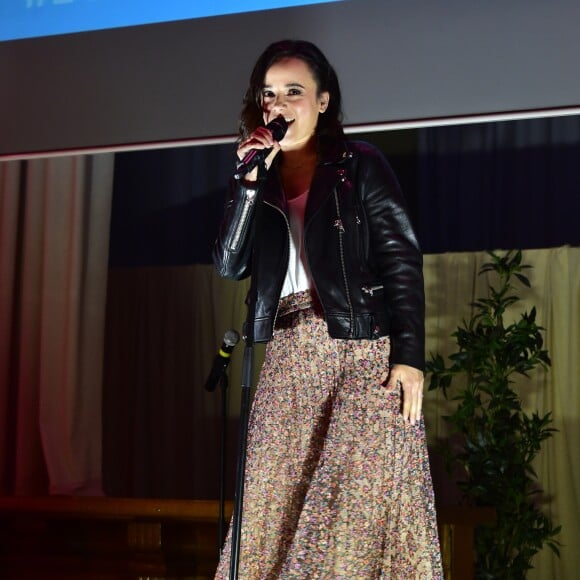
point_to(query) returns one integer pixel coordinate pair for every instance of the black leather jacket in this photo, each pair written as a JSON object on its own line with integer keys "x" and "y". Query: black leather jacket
{"x": 361, "y": 249}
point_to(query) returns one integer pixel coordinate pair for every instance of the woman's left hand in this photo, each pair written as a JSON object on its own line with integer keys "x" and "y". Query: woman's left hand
{"x": 411, "y": 382}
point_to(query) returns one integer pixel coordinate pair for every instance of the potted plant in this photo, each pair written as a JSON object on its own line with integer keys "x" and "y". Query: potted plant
{"x": 498, "y": 440}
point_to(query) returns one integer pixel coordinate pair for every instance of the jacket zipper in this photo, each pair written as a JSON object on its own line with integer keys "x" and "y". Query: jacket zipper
{"x": 242, "y": 222}
{"x": 340, "y": 227}
{"x": 370, "y": 290}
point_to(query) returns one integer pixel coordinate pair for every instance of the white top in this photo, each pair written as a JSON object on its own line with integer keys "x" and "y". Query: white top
{"x": 298, "y": 275}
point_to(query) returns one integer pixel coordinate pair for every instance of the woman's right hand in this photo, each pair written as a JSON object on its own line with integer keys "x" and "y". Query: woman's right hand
{"x": 261, "y": 138}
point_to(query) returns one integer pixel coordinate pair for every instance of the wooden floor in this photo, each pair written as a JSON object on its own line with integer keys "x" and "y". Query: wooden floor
{"x": 66, "y": 538}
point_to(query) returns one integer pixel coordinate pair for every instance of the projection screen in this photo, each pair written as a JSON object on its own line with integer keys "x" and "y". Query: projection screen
{"x": 401, "y": 62}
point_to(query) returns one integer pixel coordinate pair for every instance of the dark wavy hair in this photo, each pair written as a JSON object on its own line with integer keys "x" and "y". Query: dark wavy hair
{"x": 329, "y": 122}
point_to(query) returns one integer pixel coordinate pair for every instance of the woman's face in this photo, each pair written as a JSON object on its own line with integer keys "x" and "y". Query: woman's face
{"x": 290, "y": 90}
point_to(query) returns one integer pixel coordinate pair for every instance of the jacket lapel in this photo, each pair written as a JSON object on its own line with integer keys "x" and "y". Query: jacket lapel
{"x": 328, "y": 174}
{"x": 273, "y": 192}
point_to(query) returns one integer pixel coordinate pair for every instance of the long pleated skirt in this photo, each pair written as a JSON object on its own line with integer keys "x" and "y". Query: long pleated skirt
{"x": 337, "y": 483}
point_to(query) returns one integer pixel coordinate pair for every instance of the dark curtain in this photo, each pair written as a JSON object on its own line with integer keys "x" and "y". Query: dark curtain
{"x": 167, "y": 205}
{"x": 514, "y": 184}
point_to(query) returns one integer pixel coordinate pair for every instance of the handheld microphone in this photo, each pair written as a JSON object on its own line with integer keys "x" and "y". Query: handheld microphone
{"x": 222, "y": 359}
{"x": 278, "y": 128}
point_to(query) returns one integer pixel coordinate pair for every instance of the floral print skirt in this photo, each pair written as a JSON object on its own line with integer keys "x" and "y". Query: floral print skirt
{"x": 337, "y": 483}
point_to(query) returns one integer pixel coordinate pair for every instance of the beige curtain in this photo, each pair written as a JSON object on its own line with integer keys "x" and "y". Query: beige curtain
{"x": 452, "y": 284}
{"x": 54, "y": 230}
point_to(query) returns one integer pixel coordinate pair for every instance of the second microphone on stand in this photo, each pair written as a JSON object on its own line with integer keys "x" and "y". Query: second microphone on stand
{"x": 222, "y": 359}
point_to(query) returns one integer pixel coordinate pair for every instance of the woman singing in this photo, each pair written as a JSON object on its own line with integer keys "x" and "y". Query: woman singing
{"x": 337, "y": 481}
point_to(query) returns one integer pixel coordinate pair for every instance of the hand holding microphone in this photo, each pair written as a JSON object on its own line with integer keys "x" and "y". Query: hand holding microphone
{"x": 260, "y": 144}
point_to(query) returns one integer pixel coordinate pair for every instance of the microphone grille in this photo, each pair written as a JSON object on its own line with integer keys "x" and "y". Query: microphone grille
{"x": 278, "y": 126}
{"x": 231, "y": 337}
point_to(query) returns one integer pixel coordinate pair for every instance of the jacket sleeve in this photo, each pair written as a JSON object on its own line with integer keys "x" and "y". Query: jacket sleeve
{"x": 397, "y": 258}
{"x": 233, "y": 247}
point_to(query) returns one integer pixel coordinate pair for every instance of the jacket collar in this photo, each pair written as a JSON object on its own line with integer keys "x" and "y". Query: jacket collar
{"x": 334, "y": 151}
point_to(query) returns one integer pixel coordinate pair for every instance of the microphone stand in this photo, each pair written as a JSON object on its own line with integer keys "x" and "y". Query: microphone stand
{"x": 222, "y": 461}
{"x": 280, "y": 127}
{"x": 246, "y": 385}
